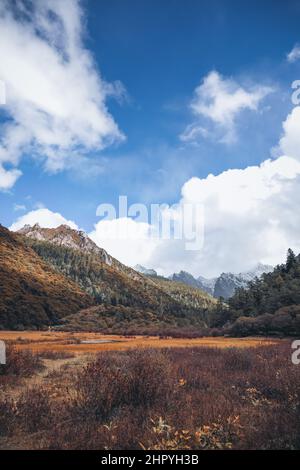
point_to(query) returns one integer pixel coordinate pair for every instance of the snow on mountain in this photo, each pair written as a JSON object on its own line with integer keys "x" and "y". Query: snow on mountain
{"x": 186, "y": 278}
{"x": 225, "y": 284}
{"x": 148, "y": 272}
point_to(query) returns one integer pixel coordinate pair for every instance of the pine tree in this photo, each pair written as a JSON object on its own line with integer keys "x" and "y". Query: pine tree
{"x": 291, "y": 260}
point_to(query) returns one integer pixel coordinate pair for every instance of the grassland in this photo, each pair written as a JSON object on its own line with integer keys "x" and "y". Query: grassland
{"x": 197, "y": 397}
{"x": 38, "y": 341}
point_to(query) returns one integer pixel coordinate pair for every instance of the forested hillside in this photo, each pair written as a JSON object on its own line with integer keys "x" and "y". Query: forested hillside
{"x": 138, "y": 301}
{"x": 270, "y": 305}
{"x": 185, "y": 294}
{"x": 32, "y": 294}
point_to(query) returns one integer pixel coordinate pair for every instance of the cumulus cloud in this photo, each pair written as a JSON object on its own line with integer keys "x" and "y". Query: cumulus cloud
{"x": 8, "y": 177}
{"x": 294, "y": 54}
{"x": 44, "y": 217}
{"x": 250, "y": 215}
{"x": 290, "y": 141}
{"x": 55, "y": 95}
{"x": 125, "y": 239}
{"x": 217, "y": 103}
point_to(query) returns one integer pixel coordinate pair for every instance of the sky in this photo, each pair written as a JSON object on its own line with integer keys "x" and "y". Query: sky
{"x": 174, "y": 103}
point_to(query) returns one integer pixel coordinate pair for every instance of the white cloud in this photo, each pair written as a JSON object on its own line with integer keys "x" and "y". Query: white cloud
{"x": 294, "y": 54}
{"x": 125, "y": 239}
{"x": 250, "y": 215}
{"x": 55, "y": 96}
{"x": 218, "y": 101}
{"x": 19, "y": 207}
{"x": 8, "y": 177}
{"x": 290, "y": 141}
{"x": 44, "y": 217}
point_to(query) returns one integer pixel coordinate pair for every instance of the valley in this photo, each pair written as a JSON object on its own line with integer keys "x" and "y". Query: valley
{"x": 92, "y": 343}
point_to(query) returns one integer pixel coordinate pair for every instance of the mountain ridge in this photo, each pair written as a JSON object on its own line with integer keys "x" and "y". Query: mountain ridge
{"x": 119, "y": 289}
{"x": 225, "y": 284}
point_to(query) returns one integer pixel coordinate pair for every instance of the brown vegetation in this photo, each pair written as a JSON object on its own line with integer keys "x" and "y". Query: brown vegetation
{"x": 187, "y": 398}
{"x": 32, "y": 293}
{"x": 67, "y": 342}
{"x": 19, "y": 364}
{"x": 123, "y": 298}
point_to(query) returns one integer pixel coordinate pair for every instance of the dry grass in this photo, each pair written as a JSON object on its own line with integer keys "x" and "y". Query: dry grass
{"x": 179, "y": 398}
{"x": 66, "y": 342}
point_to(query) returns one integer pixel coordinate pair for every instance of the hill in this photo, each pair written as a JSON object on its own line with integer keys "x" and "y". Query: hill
{"x": 192, "y": 297}
{"x": 32, "y": 294}
{"x": 119, "y": 292}
{"x": 269, "y": 305}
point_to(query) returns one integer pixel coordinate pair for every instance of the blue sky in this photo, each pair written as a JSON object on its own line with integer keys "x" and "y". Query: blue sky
{"x": 154, "y": 55}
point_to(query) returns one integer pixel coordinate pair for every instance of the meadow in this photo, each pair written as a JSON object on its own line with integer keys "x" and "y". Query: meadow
{"x": 197, "y": 397}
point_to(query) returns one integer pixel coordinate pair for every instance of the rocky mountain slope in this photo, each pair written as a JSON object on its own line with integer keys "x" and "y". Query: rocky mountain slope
{"x": 32, "y": 294}
{"x": 186, "y": 278}
{"x": 120, "y": 293}
{"x": 147, "y": 272}
{"x": 66, "y": 237}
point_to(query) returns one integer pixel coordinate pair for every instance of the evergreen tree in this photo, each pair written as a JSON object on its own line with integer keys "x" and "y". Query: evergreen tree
{"x": 291, "y": 260}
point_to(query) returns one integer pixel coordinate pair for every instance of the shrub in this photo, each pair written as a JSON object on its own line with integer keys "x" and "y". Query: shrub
{"x": 181, "y": 398}
{"x": 7, "y": 417}
{"x": 137, "y": 378}
{"x": 20, "y": 363}
{"x": 34, "y": 410}
{"x": 55, "y": 355}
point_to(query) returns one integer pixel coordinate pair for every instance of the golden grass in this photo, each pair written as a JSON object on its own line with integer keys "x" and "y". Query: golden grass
{"x": 69, "y": 342}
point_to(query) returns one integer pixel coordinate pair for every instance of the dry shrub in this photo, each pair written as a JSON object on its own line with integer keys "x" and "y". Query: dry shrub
{"x": 19, "y": 363}
{"x": 55, "y": 355}
{"x": 149, "y": 377}
{"x": 87, "y": 435}
{"x": 34, "y": 411}
{"x": 237, "y": 359}
{"x": 7, "y": 417}
{"x": 182, "y": 398}
{"x": 135, "y": 378}
{"x": 217, "y": 436}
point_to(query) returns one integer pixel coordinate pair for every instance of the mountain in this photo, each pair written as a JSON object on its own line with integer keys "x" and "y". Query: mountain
{"x": 32, "y": 294}
{"x": 122, "y": 296}
{"x": 227, "y": 283}
{"x": 65, "y": 236}
{"x": 224, "y": 285}
{"x": 186, "y": 278}
{"x": 208, "y": 285}
{"x": 147, "y": 272}
{"x": 257, "y": 271}
{"x": 186, "y": 294}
